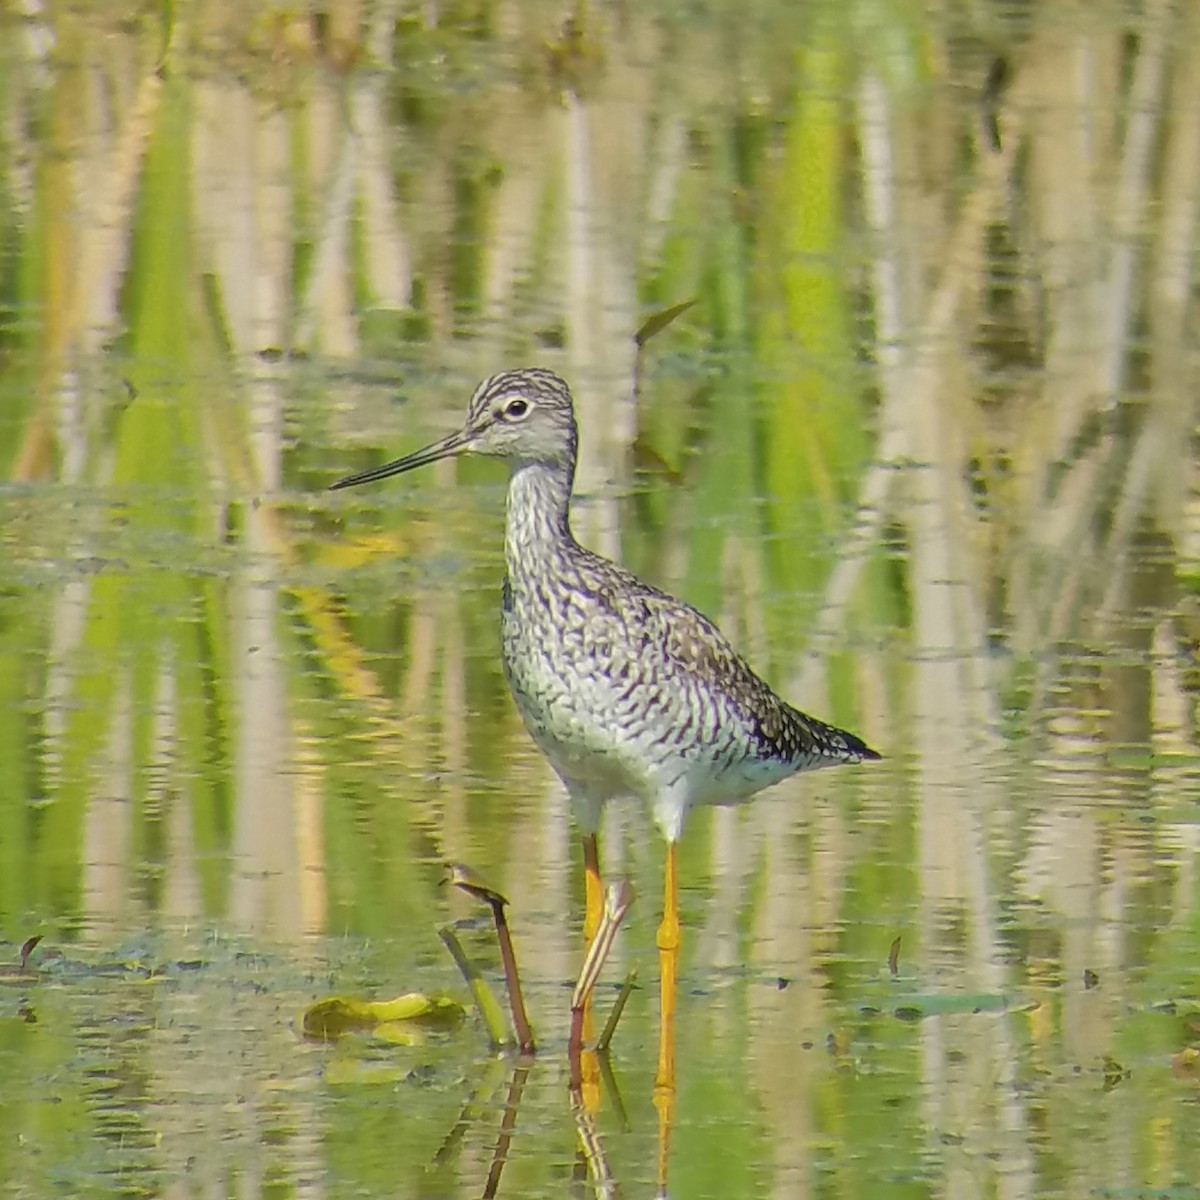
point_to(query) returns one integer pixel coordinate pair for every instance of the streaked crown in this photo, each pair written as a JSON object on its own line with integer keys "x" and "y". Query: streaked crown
{"x": 524, "y": 415}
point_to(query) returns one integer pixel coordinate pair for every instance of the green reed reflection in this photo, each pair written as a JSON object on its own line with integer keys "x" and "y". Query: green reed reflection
{"x": 924, "y": 447}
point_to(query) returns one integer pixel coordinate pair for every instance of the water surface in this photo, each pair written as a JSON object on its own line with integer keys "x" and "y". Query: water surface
{"x": 923, "y": 446}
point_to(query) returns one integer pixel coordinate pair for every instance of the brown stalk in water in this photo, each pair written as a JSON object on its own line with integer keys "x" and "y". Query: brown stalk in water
{"x": 468, "y": 881}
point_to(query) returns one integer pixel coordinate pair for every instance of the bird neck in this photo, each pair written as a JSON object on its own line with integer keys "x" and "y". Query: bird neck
{"x": 537, "y": 530}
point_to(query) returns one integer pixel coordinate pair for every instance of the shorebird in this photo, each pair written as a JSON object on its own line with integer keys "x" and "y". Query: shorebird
{"x": 626, "y": 690}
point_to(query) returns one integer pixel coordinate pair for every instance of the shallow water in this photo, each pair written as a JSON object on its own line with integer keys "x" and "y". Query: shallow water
{"x": 923, "y": 446}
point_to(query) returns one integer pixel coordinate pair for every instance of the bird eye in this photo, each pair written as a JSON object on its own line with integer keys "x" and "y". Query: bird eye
{"x": 516, "y": 408}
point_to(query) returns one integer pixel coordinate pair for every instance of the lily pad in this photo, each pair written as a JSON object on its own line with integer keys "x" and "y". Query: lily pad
{"x": 395, "y": 1020}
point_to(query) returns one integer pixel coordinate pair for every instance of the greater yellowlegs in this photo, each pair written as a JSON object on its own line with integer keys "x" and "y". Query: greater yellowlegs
{"x": 627, "y": 690}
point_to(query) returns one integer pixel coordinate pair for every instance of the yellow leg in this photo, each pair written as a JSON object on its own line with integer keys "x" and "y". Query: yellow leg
{"x": 668, "y": 962}
{"x": 593, "y": 890}
{"x": 593, "y": 902}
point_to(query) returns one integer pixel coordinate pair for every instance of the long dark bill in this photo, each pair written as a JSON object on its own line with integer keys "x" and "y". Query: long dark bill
{"x": 456, "y": 443}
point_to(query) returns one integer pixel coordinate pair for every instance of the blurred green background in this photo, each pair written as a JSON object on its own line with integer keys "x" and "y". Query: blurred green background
{"x": 924, "y": 445}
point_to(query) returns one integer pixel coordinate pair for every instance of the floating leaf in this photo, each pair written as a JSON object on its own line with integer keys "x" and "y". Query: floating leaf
{"x": 401, "y": 1033}
{"x": 657, "y": 322}
{"x": 337, "y": 1015}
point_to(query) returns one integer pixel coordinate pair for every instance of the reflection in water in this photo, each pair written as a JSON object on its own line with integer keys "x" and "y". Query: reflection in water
{"x": 923, "y": 446}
